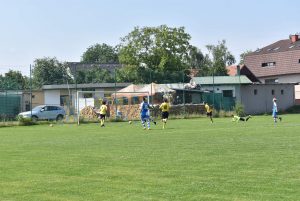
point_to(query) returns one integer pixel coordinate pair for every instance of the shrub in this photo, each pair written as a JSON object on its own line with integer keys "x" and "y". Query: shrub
{"x": 239, "y": 109}
{"x": 25, "y": 121}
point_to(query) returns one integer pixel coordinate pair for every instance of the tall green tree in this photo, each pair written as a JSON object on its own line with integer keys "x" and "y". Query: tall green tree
{"x": 243, "y": 55}
{"x": 13, "y": 80}
{"x": 49, "y": 71}
{"x": 95, "y": 75}
{"x": 100, "y": 53}
{"x": 156, "y": 49}
{"x": 220, "y": 58}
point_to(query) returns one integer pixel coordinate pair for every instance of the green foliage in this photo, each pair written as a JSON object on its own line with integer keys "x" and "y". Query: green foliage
{"x": 239, "y": 109}
{"x": 13, "y": 80}
{"x": 48, "y": 71}
{"x": 25, "y": 121}
{"x": 95, "y": 75}
{"x": 243, "y": 55}
{"x": 220, "y": 58}
{"x": 159, "y": 50}
{"x": 100, "y": 53}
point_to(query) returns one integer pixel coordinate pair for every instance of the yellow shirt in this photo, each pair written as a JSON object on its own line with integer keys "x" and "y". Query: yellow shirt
{"x": 208, "y": 109}
{"x": 165, "y": 107}
{"x": 103, "y": 109}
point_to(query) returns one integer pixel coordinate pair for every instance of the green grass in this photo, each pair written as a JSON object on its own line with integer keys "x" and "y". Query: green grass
{"x": 190, "y": 160}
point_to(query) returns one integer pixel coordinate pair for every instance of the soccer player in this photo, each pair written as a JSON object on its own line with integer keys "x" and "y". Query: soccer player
{"x": 145, "y": 117}
{"x": 103, "y": 110}
{"x": 165, "y": 107}
{"x": 208, "y": 112}
{"x": 275, "y": 110}
{"x": 237, "y": 118}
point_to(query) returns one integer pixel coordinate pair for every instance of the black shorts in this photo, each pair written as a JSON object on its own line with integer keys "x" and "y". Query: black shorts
{"x": 102, "y": 116}
{"x": 165, "y": 115}
{"x": 209, "y": 114}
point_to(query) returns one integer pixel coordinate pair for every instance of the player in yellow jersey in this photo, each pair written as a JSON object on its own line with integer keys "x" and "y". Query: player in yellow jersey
{"x": 103, "y": 110}
{"x": 208, "y": 112}
{"x": 165, "y": 107}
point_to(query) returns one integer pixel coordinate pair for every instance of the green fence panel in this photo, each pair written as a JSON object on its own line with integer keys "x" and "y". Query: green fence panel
{"x": 10, "y": 105}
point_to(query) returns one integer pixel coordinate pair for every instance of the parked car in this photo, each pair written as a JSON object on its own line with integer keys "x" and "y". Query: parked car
{"x": 45, "y": 112}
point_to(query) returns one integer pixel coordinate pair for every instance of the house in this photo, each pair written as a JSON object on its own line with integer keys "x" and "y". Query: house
{"x": 225, "y": 91}
{"x": 65, "y": 95}
{"x": 235, "y": 70}
{"x": 278, "y": 62}
{"x": 257, "y": 98}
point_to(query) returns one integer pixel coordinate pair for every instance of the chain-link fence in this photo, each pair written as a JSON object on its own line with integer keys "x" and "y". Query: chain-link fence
{"x": 186, "y": 98}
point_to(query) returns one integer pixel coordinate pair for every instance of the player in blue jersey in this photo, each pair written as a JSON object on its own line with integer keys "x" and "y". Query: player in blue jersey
{"x": 145, "y": 114}
{"x": 275, "y": 110}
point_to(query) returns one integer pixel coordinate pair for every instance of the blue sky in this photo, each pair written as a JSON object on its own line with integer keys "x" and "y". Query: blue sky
{"x": 32, "y": 29}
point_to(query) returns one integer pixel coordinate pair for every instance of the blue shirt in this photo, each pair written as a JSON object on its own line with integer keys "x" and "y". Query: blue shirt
{"x": 144, "y": 108}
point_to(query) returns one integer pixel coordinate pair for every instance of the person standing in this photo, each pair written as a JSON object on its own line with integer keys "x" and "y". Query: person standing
{"x": 275, "y": 111}
{"x": 103, "y": 111}
{"x": 165, "y": 107}
{"x": 145, "y": 117}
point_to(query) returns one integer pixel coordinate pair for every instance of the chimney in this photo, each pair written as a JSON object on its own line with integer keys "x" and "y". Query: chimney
{"x": 294, "y": 38}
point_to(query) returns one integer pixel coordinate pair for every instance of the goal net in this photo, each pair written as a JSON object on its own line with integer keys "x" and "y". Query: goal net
{"x": 120, "y": 105}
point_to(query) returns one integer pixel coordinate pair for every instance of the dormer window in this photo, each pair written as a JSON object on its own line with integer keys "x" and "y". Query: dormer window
{"x": 268, "y": 64}
{"x": 277, "y": 48}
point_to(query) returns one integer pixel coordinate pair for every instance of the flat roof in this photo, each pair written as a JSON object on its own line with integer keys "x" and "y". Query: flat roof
{"x": 80, "y": 86}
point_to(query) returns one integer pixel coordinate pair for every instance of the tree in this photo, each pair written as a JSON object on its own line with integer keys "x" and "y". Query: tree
{"x": 100, "y": 53}
{"x": 243, "y": 55}
{"x": 156, "y": 50}
{"x": 13, "y": 80}
{"x": 95, "y": 75}
{"x": 199, "y": 62}
{"x": 220, "y": 58}
{"x": 49, "y": 71}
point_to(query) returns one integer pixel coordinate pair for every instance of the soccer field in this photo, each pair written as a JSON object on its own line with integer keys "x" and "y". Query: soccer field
{"x": 190, "y": 160}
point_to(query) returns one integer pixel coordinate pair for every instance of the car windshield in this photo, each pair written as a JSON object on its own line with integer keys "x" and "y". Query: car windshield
{"x": 38, "y": 108}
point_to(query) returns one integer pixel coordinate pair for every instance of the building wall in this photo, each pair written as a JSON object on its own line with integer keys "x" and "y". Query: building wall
{"x": 37, "y": 99}
{"x": 286, "y": 63}
{"x": 219, "y": 88}
{"x": 293, "y": 78}
{"x": 261, "y": 102}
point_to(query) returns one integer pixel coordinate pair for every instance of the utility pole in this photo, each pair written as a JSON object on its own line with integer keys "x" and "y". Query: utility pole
{"x": 30, "y": 74}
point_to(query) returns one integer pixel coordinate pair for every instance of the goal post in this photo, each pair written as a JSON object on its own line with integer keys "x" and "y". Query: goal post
{"x": 121, "y": 105}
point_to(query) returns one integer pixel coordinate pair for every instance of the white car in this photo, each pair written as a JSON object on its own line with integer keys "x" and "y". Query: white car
{"x": 45, "y": 112}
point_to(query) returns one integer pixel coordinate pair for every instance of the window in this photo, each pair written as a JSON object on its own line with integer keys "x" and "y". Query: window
{"x": 125, "y": 101}
{"x": 88, "y": 95}
{"x": 227, "y": 93}
{"x": 281, "y": 91}
{"x": 268, "y": 64}
{"x": 292, "y": 46}
{"x": 299, "y": 61}
{"x": 271, "y": 81}
{"x": 255, "y": 91}
{"x": 277, "y": 48}
{"x": 258, "y": 50}
{"x": 273, "y": 92}
{"x": 64, "y": 100}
